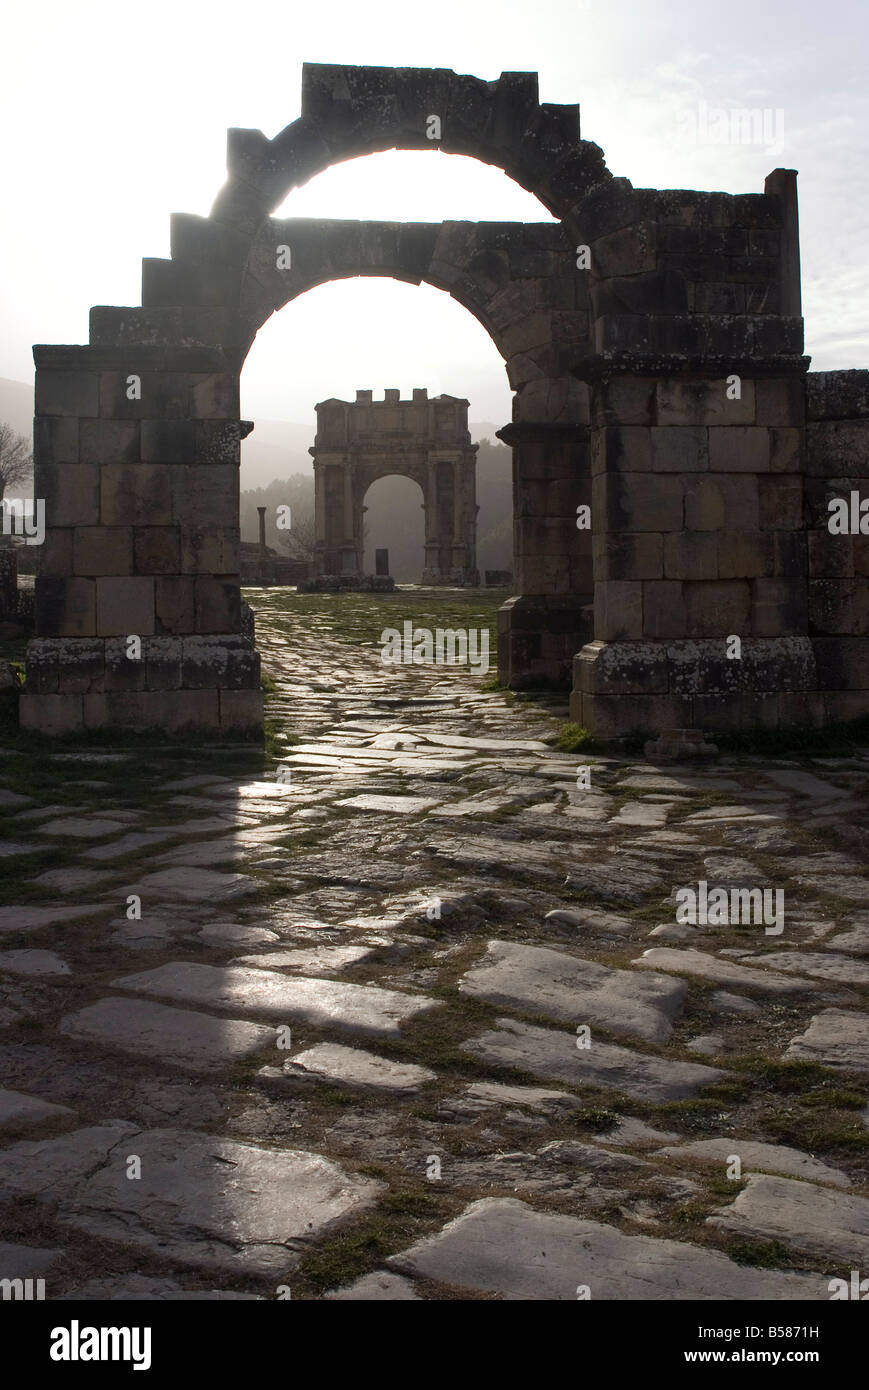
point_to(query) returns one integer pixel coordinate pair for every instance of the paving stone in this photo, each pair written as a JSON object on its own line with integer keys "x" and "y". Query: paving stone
{"x": 377, "y": 1287}
{"x": 195, "y": 885}
{"x": 15, "y": 849}
{"x": 616, "y": 880}
{"x": 501, "y": 1245}
{"x": 27, "y": 918}
{"x": 18, "y": 1109}
{"x": 395, "y": 805}
{"x": 759, "y": 1158}
{"x": 234, "y": 934}
{"x": 800, "y": 1214}
{"x": 723, "y": 972}
{"x": 707, "y": 1044}
{"x": 673, "y": 931}
{"x": 309, "y": 960}
{"x": 350, "y": 1066}
{"x": 279, "y": 998}
{"x": 80, "y": 828}
{"x": 569, "y": 921}
{"x": 49, "y": 1168}
{"x": 727, "y": 1003}
{"x": 482, "y": 1096}
{"x": 851, "y": 886}
{"x": 9, "y": 799}
{"x": 71, "y": 880}
{"x": 856, "y": 941}
{"x": 555, "y": 1056}
{"x": 132, "y": 843}
{"x": 148, "y": 932}
{"x": 27, "y": 962}
{"x": 196, "y": 1041}
{"x": 25, "y": 1261}
{"x": 806, "y": 784}
{"x": 837, "y": 1038}
{"x": 658, "y": 782}
{"x": 214, "y": 1203}
{"x": 538, "y": 980}
{"x": 842, "y": 969}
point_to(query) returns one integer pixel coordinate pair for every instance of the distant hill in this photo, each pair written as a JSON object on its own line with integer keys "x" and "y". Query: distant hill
{"x": 16, "y": 405}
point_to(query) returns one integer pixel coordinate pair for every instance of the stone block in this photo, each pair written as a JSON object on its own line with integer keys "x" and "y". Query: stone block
{"x": 55, "y": 439}
{"x": 786, "y": 450}
{"x": 168, "y": 441}
{"x": 135, "y": 494}
{"x": 614, "y": 716}
{"x": 664, "y": 612}
{"x": 779, "y": 607}
{"x": 621, "y": 449}
{"x": 739, "y": 449}
{"x": 65, "y": 607}
{"x": 103, "y": 550}
{"x": 217, "y": 441}
{"x": 174, "y": 604}
{"x": 157, "y": 549}
{"x": 125, "y": 606}
{"x": 680, "y": 449}
{"x": 214, "y": 396}
{"x": 172, "y": 710}
{"x": 746, "y": 554}
{"x": 50, "y": 714}
{"x": 831, "y": 557}
{"x": 122, "y": 672}
{"x": 780, "y": 497}
{"x": 205, "y": 495}
{"x": 71, "y": 493}
{"x": 780, "y": 401}
{"x": 161, "y": 393}
{"x": 163, "y": 658}
{"x": 218, "y": 605}
{"x": 717, "y": 609}
{"x": 241, "y": 709}
{"x": 43, "y": 665}
{"x": 226, "y": 661}
{"x": 621, "y": 668}
{"x": 838, "y": 449}
{"x": 838, "y": 607}
{"x": 81, "y": 666}
{"x": 209, "y": 550}
{"x": 56, "y": 554}
{"x": 619, "y": 556}
{"x": 691, "y": 555}
{"x": 620, "y": 400}
{"x": 638, "y": 502}
{"x": 618, "y": 609}
{"x": 628, "y": 251}
{"x": 67, "y": 393}
{"x": 703, "y": 402}
{"x": 109, "y": 441}
{"x": 722, "y": 502}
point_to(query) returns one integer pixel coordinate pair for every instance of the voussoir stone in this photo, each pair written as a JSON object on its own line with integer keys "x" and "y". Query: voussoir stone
{"x": 815, "y": 1219}
{"x": 539, "y": 980}
{"x": 555, "y": 1056}
{"x": 197, "y": 1041}
{"x": 215, "y": 1203}
{"x": 278, "y": 998}
{"x": 501, "y": 1245}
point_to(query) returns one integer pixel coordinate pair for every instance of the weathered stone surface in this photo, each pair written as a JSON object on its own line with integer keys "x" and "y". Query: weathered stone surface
{"x": 309, "y": 960}
{"x": 568, "y": 921}
{"x": 196, "y": 1041}
{"x": 25, "y": 1261}
{"x": 616, "y": 880}
{"x": 142, "y": 1288}
{"x": 837, "y": 1038}
{"x": 214, "y": 1203}
{"x": 724, "y": 972}
{"x": 842, "y": 969}
{"x": 194, "y": 885}
{"x": 541, "y": 981}
{"x": 90, "y": 828}
{"x": 265, "y": 994}
{"x": 555, "y": 1056}
{"x": 25, "y": 962}
{"x": 18, "y": 1109}
{"x": 800, "y": 1214}
{"x": 49, "y": 1168}
{"x": 500, "y": 1245}
{"x": 349, "y": 1066}
{"x": 394, "y": 805}
{"x": 27, "y": 918}
{"x": 759, "y": 1158}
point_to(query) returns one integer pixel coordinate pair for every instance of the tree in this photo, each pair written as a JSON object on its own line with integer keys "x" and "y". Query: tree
{"x": 16, "y": 459}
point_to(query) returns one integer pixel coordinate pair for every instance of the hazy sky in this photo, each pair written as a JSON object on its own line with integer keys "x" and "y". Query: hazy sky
{"x": 114, "y": 116}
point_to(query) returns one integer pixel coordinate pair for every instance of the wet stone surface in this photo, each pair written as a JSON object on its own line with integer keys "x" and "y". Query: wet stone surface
{"x": 420, "y": 1022}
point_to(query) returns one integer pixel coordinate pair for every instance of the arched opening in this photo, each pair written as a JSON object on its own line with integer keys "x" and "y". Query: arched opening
{"x": 394, "y": 521}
